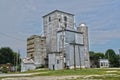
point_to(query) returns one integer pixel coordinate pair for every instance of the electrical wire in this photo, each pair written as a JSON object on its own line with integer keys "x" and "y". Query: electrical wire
{"x": 12, "y": 37}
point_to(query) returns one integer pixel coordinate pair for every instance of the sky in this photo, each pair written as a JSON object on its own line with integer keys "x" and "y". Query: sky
{"x": 19, "y": 19}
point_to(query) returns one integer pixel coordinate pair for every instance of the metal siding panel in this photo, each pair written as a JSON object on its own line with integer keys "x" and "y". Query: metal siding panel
{"x": 59, "y": 65}
{"x": 67, "y": 54}
{"x": 82, "y": 55}
{"x": 71, "y": 55}
{"x": 69, "y": 37}
{"x": 76, "y": 55}
{"x": 51, "y": 61}
{"x": 79, "y": 38}
{"x": 59, "y": 41}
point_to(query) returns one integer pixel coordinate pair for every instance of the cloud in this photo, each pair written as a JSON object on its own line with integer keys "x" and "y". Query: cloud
{"x": 22, "y": 18}
{"x": 103, "y": 37}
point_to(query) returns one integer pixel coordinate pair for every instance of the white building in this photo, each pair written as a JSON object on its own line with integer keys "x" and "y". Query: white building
{"x": 55, "y": 61}
{"x": 61, "y": 36}
{"x": 104, "y": 63}
{"x": 53, "y": 22}
{"x": 27, "y": 64}
{"x": 73, "y": 48}
{"x": 63, "y": 45}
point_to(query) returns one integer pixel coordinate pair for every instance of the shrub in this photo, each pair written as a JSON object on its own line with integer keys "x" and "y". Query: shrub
{"x": 4, "y": 69}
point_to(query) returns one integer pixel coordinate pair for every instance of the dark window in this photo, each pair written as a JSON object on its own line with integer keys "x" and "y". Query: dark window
{"x": 59, "y": 20}
{"x": 57, "y": 61}
{"x": 65, "y": 18}
{"x": 49, "y": 19}
{"x": 65, "y": 24}
{"x": 101, "y": 63}
{"x": 31, "y": 55}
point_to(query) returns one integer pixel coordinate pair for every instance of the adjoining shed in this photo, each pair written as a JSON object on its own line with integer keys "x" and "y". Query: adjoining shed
{"x": 55, "y": 61}
{"x": 27, "y": 64}
{"x": 73, "y": 48}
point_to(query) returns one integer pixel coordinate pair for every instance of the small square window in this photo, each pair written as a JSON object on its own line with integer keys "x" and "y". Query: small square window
{"x": 59, "y": 20}
{"x": 65, "y": 18}
{"x": 49, "y": 19}
{"x": 57, "y": 61}
{"x": 65, "y": 24}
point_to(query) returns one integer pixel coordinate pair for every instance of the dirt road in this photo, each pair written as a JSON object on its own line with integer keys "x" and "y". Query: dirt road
{"x": 43, "y": 78}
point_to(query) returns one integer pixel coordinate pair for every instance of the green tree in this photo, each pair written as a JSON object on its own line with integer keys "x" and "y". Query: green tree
{"x": 98, "y": 56}
{"x": 7, "y": 55}
{"x": 91, "y": 54}
{"x": 112, "y": 57}
{"x": 94, "y": 58}
{"x": 17, "y": 61}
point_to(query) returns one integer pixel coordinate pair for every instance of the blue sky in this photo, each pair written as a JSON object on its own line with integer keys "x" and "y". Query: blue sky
{"x": 20, "y": 19}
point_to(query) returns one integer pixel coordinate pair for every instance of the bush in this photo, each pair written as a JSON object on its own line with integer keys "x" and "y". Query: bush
{"x": 4, "y": 69}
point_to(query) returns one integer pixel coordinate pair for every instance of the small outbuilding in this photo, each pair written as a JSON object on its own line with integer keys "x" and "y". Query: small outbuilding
{"x": 104, "y": 63}
{"x": 55, "y": 61}
{"x": 27, "y": 64}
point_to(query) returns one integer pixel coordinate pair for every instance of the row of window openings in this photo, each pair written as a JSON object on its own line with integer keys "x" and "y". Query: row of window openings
{"x": 65, "y": 24}
{"x": 104, "y": 64}
{"x": 41, "y": 53}
{"x": 65, "y": 19}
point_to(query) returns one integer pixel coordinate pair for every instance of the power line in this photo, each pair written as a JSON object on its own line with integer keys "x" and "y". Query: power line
{"x": 12, "y": 37}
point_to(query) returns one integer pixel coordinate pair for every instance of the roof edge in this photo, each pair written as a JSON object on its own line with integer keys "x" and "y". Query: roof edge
{"x": 57, "y": 11}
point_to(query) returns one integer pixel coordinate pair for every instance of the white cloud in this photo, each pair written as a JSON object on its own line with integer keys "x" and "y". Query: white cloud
{"x": 22, "y": 18}
{"x": 103, "y": 37}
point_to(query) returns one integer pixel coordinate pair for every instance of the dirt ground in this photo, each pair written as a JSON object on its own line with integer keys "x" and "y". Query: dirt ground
{"x": 43, "y": 78}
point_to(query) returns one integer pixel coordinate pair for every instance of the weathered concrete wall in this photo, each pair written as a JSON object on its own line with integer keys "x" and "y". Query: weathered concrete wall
{"x": 52, "y": 23}
{"x": 55, "y": 61}
{"x": 56, "y": 21}
{"x": 36, "y": 49}
{"x": 84, "y": 29}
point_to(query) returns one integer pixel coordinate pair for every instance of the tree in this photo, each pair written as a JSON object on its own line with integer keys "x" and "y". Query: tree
{"x": 91, "y": 54}
{"x": 94, "y": 58}
{"x": 17, "y": 61}
{"x": 7, "y": 55}
{"x": 98, "y": 56}
{"x": 112, "y": 57}
{"x": 92, "y": 63}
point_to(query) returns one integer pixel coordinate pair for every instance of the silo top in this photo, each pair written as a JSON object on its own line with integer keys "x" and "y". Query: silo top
{"x": 82, "y": 25}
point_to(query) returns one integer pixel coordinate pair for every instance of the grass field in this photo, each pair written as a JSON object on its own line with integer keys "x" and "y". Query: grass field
{"x": 82, "y": 74}
{"x": 99, "y": 74}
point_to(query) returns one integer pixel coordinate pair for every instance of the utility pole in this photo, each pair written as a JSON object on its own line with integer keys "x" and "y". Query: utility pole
{"x": 108, "y": 55}
{"x": 74, "y": 57}
{"x": 119, "y": 57}
{"x": 14, "y": 63}
{"x": 79, "y": 56}
{"x": 17, "y": 59}
{"x": 108, "y": 59}
{"x": 63, "y": 29}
